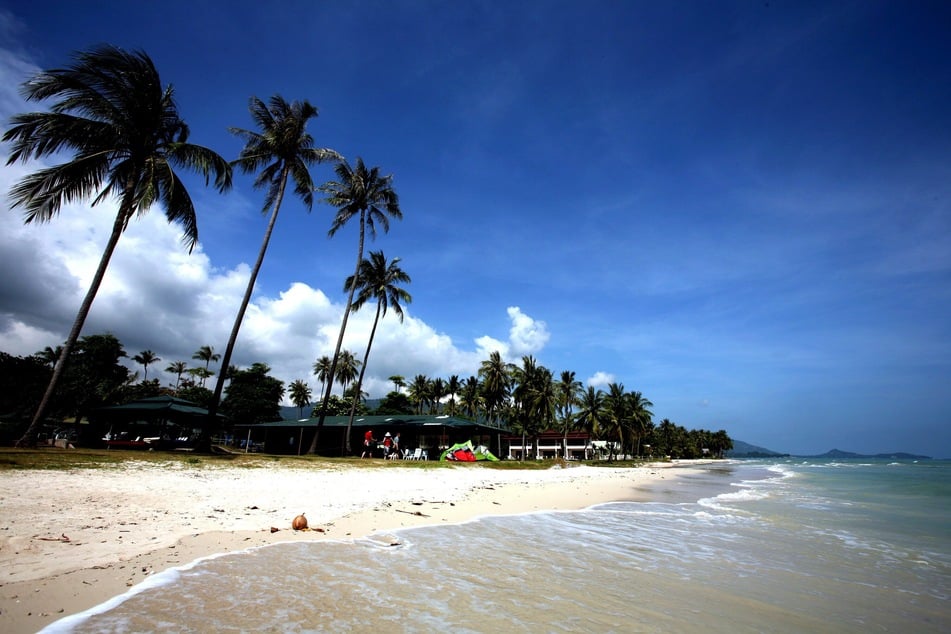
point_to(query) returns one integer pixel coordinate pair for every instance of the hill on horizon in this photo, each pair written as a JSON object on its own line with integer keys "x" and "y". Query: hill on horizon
{"x": 746, "y": 450}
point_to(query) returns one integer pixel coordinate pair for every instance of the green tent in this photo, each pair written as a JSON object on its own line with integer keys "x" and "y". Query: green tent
{"x": 465, "y": 452}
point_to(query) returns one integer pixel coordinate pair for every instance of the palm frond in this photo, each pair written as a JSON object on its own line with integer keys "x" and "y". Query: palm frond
{"x": 43, "y": 193}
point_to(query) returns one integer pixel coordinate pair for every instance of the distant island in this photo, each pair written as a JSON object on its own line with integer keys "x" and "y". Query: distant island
{"x": 746, "y": 450}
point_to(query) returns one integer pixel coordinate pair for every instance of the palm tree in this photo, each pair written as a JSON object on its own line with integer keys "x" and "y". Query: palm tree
{"x": 206, "y": 354}
{"x": 590, "y": 415}
{"x": 322, "y": 371}
{"x": 300, "y": 395}
{"x": 127, "y": 134}
{"x": 453, "y": 385}
{"x": 437, "y": 390}
{"x": 48, "y": 355}
{"x": 640, "y": 417}
{"x": 347, "y": 370}
{"x": 398, "y": 381}
{"x": 366, "y": 194}
{"x": 618, "y": 411}
{"x": 496, "y": 380}
{"x": 177, "y": 368}
{"x": 282, "y": 150}
{"x": 146, "y": 358}
{"x": 470, "y": 397}
{"x": 568, "y": 392}
{"x": 419, "y": 391}
{"x": 377, "y": 280}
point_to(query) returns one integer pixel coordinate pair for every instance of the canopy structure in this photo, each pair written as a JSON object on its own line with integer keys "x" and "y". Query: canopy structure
{"x": 427, "y": 432}
{"x": 152, "y": 406}
{"x": 157, "y": 421}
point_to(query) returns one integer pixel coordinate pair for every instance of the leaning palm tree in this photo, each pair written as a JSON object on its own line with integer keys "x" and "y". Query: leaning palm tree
{"x": 377, "y": 280}
{"x": 146, "y": 358}
{"x": 177, "y": 368}
{"x": 365, "y": 194}
{"x": 125, "y": 129}
{"x": 281, "y": 150}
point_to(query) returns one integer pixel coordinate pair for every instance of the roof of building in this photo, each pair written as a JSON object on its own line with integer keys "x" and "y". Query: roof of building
{"x": 388, "y": 421}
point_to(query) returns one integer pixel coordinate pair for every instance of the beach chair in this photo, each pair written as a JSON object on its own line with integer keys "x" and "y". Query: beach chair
{"x": 416, "y": 454}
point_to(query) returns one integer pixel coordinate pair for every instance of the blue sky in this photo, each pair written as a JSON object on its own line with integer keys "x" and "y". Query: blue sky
{"x": 740, "y": 209}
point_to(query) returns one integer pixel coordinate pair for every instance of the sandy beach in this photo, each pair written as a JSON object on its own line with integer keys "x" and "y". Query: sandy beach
{"x": 70, "y": 540}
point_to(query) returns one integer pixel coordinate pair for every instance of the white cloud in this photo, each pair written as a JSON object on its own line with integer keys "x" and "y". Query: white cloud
{"x": 601, "y": 379}
{"x": 526, "y": 335}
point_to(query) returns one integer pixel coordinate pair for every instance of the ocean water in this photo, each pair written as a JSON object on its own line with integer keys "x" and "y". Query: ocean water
{"x": 746, "y": 546}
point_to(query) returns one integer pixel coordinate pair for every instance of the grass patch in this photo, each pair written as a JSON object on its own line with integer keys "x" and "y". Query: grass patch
{"x": 67, "y": 459}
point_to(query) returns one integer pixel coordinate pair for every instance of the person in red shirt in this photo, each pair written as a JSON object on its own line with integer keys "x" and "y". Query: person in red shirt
{"x": 368, "y": 442}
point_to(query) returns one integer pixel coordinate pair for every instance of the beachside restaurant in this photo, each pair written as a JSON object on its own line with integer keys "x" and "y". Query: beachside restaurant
{"x": 422, "y": 437}
{"x": 549, "y": 444}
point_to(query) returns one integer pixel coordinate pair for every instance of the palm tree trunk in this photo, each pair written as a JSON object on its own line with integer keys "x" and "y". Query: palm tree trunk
{"x": 29, "y": 436}
{"x": 226, "y": 358}
{"x": 343, "y": 329}
{"x": 366, "y": 357}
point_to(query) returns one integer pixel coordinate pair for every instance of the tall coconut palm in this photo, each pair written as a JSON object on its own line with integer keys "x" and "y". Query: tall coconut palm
{"x": 640, "y": 417}
{"x": 127, "y": 136}
{"x": 322, "y": 371}
{"x": 282, "y": 149}
{"x": 177, "y": 368}
{"x": 568, "y": 391}
{"x": 591, "y": 415}
{"x": 470, "y": 397}
{"x": 367, "y": 195}
{"x": 419, "y": 391}
{"x": 437, "y": 390}
{"x": 146, "y": 358}
{"x": 618, "y": 412}
{"x": 347, "y": 370}
{"x": 453, "y": 385}
{"x": 381, "y": 281}
{"x": 496, "y": 380}
{"x": 300, "y": 395}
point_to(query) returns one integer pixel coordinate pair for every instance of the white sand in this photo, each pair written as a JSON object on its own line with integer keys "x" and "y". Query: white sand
{"x": 70, "y": 540}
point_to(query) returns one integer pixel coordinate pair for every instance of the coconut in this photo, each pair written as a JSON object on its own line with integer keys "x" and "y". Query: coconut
{"x": 299, "y": 523}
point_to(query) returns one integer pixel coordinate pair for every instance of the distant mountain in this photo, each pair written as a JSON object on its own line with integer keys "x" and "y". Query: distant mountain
{"x": 898, "y": 455}
{"x": 746, "y": 450}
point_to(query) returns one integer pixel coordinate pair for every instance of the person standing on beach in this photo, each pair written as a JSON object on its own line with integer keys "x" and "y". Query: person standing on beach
{"x": 396, "y": 445}
{"x": 368, "y": 441}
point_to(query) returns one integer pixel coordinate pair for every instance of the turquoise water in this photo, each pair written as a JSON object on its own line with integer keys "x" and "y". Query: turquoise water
{"x": 764, "y": 546}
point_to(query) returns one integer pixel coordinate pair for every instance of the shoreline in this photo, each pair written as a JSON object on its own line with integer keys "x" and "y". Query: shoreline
{"x": 72, "y": 540}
